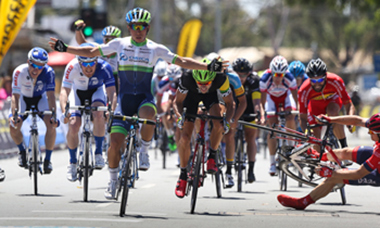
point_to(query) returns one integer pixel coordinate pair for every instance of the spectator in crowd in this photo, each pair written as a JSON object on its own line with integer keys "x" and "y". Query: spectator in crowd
{"x": 6, "y": 88}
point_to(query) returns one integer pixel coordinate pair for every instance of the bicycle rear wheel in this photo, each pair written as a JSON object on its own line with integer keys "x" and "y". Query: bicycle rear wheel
{"x": 196, "y": 177}
{"x": 217, "y": 176}
{"x": 86, "y": 174}
{"x": 163, "y": 148}
{"x": 239, "y": 163}
{"x": 127, "y": 178}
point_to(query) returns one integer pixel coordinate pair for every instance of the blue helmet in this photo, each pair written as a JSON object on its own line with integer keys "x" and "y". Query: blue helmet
{"x": 38, "y": 55}
{"x": 297, "y": 68}
{"x": 84, "y": 58}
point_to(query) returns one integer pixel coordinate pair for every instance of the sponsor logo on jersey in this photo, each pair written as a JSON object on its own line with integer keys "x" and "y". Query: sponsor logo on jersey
{"x": 71, "y": 67}
{"x": 138, "y": 59}
{"x": 39, "y": 86}
{"x": 93, "y": 81}
{"x": 16, "y": 77}
{"x": 324, "y": 96}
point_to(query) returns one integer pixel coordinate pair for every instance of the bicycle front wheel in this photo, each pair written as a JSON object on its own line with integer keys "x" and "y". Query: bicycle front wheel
{"x": 239, "y": 163}
{"x": 306, "y": 167}
{"x": 217, "y": 176}
{"x": 35, "y": 163}
{"x": 126, "y": 172}
{"x": 86, "y": 174}
{"x": 196, "y": 177}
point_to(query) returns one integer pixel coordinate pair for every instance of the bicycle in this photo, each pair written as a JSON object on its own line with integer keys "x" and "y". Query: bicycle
{"x": 240, "y": 153}
{"x": 86, "y": 156}
{"x": 128, "y": 173}
{"x": 197, "y": 172}
{"x": 281, "y": 143}
{"x": 35, "y": 157}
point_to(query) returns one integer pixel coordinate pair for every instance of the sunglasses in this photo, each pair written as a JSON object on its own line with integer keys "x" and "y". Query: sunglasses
{"x": 108, "y": 39}
{"x": 138, "y": 27}
{"x": 317, "y": 80}
{"x": 373, "y": 132}
{"x": 35, "y": 66}
{"x": 88, "y": 64}
{"x": 204, "y": 83}
{"x": 243, "y": 75}
{"x": 278, "y": 75}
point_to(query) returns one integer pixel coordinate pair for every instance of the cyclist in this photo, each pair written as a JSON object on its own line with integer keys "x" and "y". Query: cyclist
{"x": 251, "y": 83}
{"x": 169, "y": 85}
{"x": 196, "y": 86}
{"x": 86, "y": 77}
{"x": 278, "y": 88}
{"x": 136, "y": 56}
{"x": 158, "y": 73}
{"x": 33, "y": 84}
{"x": 323, "y": 93}
{"x": 109, "y": 33}
{"x": 297, "y": 69}
{"x": 367, "y": 157}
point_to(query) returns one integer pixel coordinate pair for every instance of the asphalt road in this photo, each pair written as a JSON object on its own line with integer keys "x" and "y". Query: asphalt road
{"x": 153, "y": 203}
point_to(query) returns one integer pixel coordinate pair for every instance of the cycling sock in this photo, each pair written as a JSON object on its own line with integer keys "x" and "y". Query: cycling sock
{"x": 48, "y": 154}
{"x": 21, "y": 147}
{"x": 144, "y": 146}
{"x": 98, "y": 144}
{"x": 251, "y": 165}
{"x": 73, "y": 155}
{"x": 212, "y": 154}
{"x": 183, "y": 175}
{"x": 272, "y": 159}
{"x": 343, "y": 142}
{"x": 169, "y": 132}
{"x": 113, "y": 173}
{"x": 306, "y": 201}
{"x": 296, "y": 203}
{"x": 229, "y": 166}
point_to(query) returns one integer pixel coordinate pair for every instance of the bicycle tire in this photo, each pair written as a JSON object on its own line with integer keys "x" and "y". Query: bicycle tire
{"x": 307, "y": 166}
{"x": 86, "y": 175}
{"x": 343, "y": 196}
{"x": 127, "y": 176}
{"x": 35, "y": 166}
{"x": 282, "y": 177}
{"x": 163, "y": 149}
{"x": 217, "y": 176}
{"x": 197, "y": 170}
{"x": 239, "y": 154}
{"x": 135, "y": 169}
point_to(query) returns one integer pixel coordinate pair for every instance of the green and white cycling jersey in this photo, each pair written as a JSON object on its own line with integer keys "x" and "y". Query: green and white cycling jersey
{"x": 136, "y": 62}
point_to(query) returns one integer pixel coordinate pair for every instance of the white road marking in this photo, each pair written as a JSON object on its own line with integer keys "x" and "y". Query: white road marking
{"x": 148, "y": 186}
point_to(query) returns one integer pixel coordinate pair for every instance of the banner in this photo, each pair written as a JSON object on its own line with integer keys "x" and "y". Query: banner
{"x": 12, "y": 15}
{"x": 188, "y": 38}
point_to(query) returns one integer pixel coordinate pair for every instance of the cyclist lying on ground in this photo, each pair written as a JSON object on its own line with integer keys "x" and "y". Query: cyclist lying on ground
{"x": 367, "y": 157}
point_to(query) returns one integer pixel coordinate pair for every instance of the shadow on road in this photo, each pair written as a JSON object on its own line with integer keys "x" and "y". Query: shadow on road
{"x": 41, "y": 195}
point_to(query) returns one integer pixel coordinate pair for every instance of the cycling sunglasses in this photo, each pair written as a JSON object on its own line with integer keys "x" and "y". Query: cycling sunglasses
{"x": 204, "y": 83}
{"x": 35, "y": 66}
{"x": 108, "y": 39}
{"x": 88, "y": 64}
{"x": 278, "y": 75}
{"x": 317, "y": 80}
{"x": 138, "y": 27}
{"x": 373, "y": 132}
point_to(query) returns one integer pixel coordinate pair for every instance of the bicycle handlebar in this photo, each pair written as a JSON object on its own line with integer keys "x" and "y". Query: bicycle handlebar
{"x": 282, "y": 113}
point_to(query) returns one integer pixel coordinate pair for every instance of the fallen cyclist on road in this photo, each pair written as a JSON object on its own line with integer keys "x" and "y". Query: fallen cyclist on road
{"x": 367, "y": 157}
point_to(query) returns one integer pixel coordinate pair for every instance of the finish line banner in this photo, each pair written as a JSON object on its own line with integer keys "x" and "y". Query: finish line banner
{"x": 12, "y": 15}
{"x": 188, "y": 38}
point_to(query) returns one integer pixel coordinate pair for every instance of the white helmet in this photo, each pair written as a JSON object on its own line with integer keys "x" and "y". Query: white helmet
{"x": 160, "y": 68}
{"x": 173, "y": 71}
{"x": 278, "y": 65}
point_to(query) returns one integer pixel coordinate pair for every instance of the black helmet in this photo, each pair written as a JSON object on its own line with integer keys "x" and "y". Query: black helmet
{"x": 315, "y": 68}
{"x": 241, "y": 65}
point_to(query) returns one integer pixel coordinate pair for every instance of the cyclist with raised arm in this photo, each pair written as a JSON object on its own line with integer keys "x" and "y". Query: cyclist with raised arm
{"x": 323, "y": 93}
{"x": 33, "y": 85}
{"x": 367, "y": 157}
{"x": 168, "y": 85}
{"x": 278, "y": 88}
{"x": 109, "y": 33}
{"x": 297, "y": 69}
{"x": 196, "y": 86}
{"x": 251, "y": 83}
{"x": 136, "y": 57}
{"x": 86, "y": 77}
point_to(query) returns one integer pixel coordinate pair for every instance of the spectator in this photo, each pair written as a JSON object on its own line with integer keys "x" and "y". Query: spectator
{"x": 6, "y": 88}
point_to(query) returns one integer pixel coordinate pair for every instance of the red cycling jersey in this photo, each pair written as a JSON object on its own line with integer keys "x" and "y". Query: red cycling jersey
{"x": 315, "y": 102}
{"x": 373, "y": 162}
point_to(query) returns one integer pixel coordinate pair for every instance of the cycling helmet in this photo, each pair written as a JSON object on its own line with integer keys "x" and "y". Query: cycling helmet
{"x": 111, "y": 31}
{"x": 204, "y": 75}
{"x": 315, "y": 68}
{"x": 242, "y": 65}
{"x": 212, "y": 56}
{"x": 84, "y": 58}
{"x": 373, "y": 123}
{"x": 38, "y": 55}
{"x": 297, "y": 68}
{"x": 160, "y": 68}
{"x": 138, "y": 15}
{"x": 173, "y": 71}
{"x": 278, "y": 65}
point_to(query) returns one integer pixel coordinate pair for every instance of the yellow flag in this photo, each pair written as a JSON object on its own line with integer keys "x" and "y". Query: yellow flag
{"x": 12, "y": 15}
{"x": 189, "y": 37}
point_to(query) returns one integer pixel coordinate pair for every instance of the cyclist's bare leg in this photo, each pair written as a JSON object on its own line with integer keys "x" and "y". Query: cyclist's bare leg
{"x": 99, "y": 121}
{"x": 116, "y": 142}
{"x": 229, "y": 139}
{"x": 50, "y": 133}
{"x": 342, "y": 154}
{"x": 333, "y": 109}
{"x": 250, "y": 137}
{"x": 324, "y": 188}
{"x": 147, "y": 131}
{"x": 15, "y": 132}
{"x": 217, "y": 129}
{"x": 317, "y": 133}
{"x": 184, "y": 143}
{"x": 72, "y": 133}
